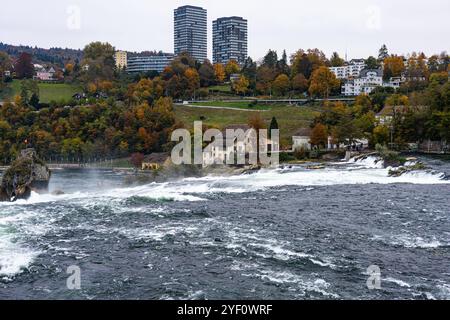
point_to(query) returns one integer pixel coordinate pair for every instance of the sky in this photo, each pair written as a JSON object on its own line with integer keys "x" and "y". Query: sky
{"x": 355, "y": 27}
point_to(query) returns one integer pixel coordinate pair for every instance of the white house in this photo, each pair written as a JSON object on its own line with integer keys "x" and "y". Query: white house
{"x": 350, "y": 70}
{"x": 302, "y": 140}
{"x": 241, "y": 143}
{"x": 45, "y": 75}
{"x": 368, "y": 80}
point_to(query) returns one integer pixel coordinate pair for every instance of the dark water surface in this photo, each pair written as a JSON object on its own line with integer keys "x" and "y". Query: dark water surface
{"x": 280, "y": 234}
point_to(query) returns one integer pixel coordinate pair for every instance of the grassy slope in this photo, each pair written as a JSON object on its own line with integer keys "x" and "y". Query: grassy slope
{"x": 236, "y": 104}
{"x": 290, "y": 118}
{"x": 49, "y": 91}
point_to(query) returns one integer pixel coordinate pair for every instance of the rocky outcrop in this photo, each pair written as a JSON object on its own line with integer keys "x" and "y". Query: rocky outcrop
{"x": 26, "y": 174}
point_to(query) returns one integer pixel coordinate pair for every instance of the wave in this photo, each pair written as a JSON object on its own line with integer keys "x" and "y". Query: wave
{"x": 14, "y": 258}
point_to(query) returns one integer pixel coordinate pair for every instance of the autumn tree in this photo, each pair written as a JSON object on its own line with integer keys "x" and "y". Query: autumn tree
{"x": 219, "y": 72}
{"x": 136, "y": 159}
{"x": 193, "y": 81}
{"x": 323, "y": 83}
{"x": 306, "y": 62}
{"x": 300, "y": 83}
{"x": 98, "y": 60}
{"x": 231, "y": 67}
{"x": 319, "y": 136}
{"x": 207, "y": 74}
{"x": 240, "y": 86}
{"x": 265, "y": 76}
{"x": 397, "y": 100}
{"x": 393, "y": 67}
{"x": 281, "y": 85}
{"x": 24, "y": 67}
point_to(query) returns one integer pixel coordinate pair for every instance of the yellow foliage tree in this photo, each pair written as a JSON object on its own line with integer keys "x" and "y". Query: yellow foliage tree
{"x": 323, "y": 82}
{"x": 219, "y": 71}
{"x": 241, "y": 85}
{"x": 232, "y": 67}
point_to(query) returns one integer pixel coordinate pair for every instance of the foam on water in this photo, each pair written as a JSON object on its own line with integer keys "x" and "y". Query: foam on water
{"x": 14, "y": 257}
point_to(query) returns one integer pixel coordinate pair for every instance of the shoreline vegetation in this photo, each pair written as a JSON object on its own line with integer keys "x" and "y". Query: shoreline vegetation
{"x": 114, "y": 114}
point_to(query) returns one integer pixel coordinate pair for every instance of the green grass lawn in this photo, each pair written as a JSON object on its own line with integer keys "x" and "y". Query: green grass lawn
{"x": 223, "y": 88}
{"x": 48, "y": 91}
{"x": 290, "y": 118}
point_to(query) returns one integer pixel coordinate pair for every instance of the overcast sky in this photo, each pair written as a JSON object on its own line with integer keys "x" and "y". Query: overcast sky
{"x": 359, "y": 27}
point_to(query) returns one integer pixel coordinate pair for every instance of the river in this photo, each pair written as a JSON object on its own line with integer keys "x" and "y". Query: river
{"x": 289, "y": 233}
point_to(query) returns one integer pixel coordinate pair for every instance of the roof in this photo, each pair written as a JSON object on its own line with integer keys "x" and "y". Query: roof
{"x": 159, "y": 158}
{"x": 366, "y": 71}
{"x": 389, "y": 110}
{"x": 303, "y": 132}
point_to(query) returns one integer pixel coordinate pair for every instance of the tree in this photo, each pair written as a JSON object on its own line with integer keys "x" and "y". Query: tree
{"x": 270, "y": 60}
{"x": 393, "y": 67}
{"x": 5, "y": 65}
{"x": 383, "y": 53}
{"x": 282, "y": 65}
{"x": 265, "y": 77}
{"x": 249, "y": 70}
{"x": 193, "y": 80}
{"x": 281, "y": 85}
{"x": 207, "y": 74}
{"x": 273, "y": 126}
{"x": 397, "y": 100}
{"x": 219, "y": 71}
{"x": 136, "y": 160}
{"x": 34, "y": 101}
{"x": 323, "y": 83}
{"x": 306, "y": 62}
{"x": 24, "y": 67}
{"x": 319, "y": 135}
{"x": 28, "y": 89}
{"x": 240, "y": 86}
{"x": 99, "y": 59}
{"x": 300, "y": 83}
{"x": 336, "y": 60}
{"x": 372, "y": 63}
{"x": 380, "y": 135}
{"x": 439, "y": 77}
{"x": 232, "y": 67}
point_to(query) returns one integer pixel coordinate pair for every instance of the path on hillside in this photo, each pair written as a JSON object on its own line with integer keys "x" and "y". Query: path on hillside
{"x": 221, "y": 108}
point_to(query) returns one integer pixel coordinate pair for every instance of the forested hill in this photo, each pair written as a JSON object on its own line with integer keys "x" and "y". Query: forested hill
{"x": 57, "y": 56}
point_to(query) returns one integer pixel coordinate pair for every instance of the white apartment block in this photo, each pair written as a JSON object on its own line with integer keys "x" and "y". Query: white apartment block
{"x": 367, "y": 82}
{"x": 351, "y": 70}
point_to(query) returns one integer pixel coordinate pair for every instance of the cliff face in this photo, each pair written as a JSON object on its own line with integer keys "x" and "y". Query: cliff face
{"x": 27, "y": 173}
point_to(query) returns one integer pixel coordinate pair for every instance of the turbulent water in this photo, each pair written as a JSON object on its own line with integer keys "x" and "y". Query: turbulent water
{"x": 291, "y": 233}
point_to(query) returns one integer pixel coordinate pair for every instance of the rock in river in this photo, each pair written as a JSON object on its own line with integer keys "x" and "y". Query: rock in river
{"x": 27, "y": 173}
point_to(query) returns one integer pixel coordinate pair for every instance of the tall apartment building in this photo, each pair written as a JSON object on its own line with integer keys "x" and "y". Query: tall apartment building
{"x": 121, "y": 59}
{"x": 144, "y": 63}
{"x": 191, "y": 32}
{"x": 230, "y": 36}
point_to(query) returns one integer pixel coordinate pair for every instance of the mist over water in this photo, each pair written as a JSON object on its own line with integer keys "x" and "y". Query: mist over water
{"x": 287, "y": 233}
